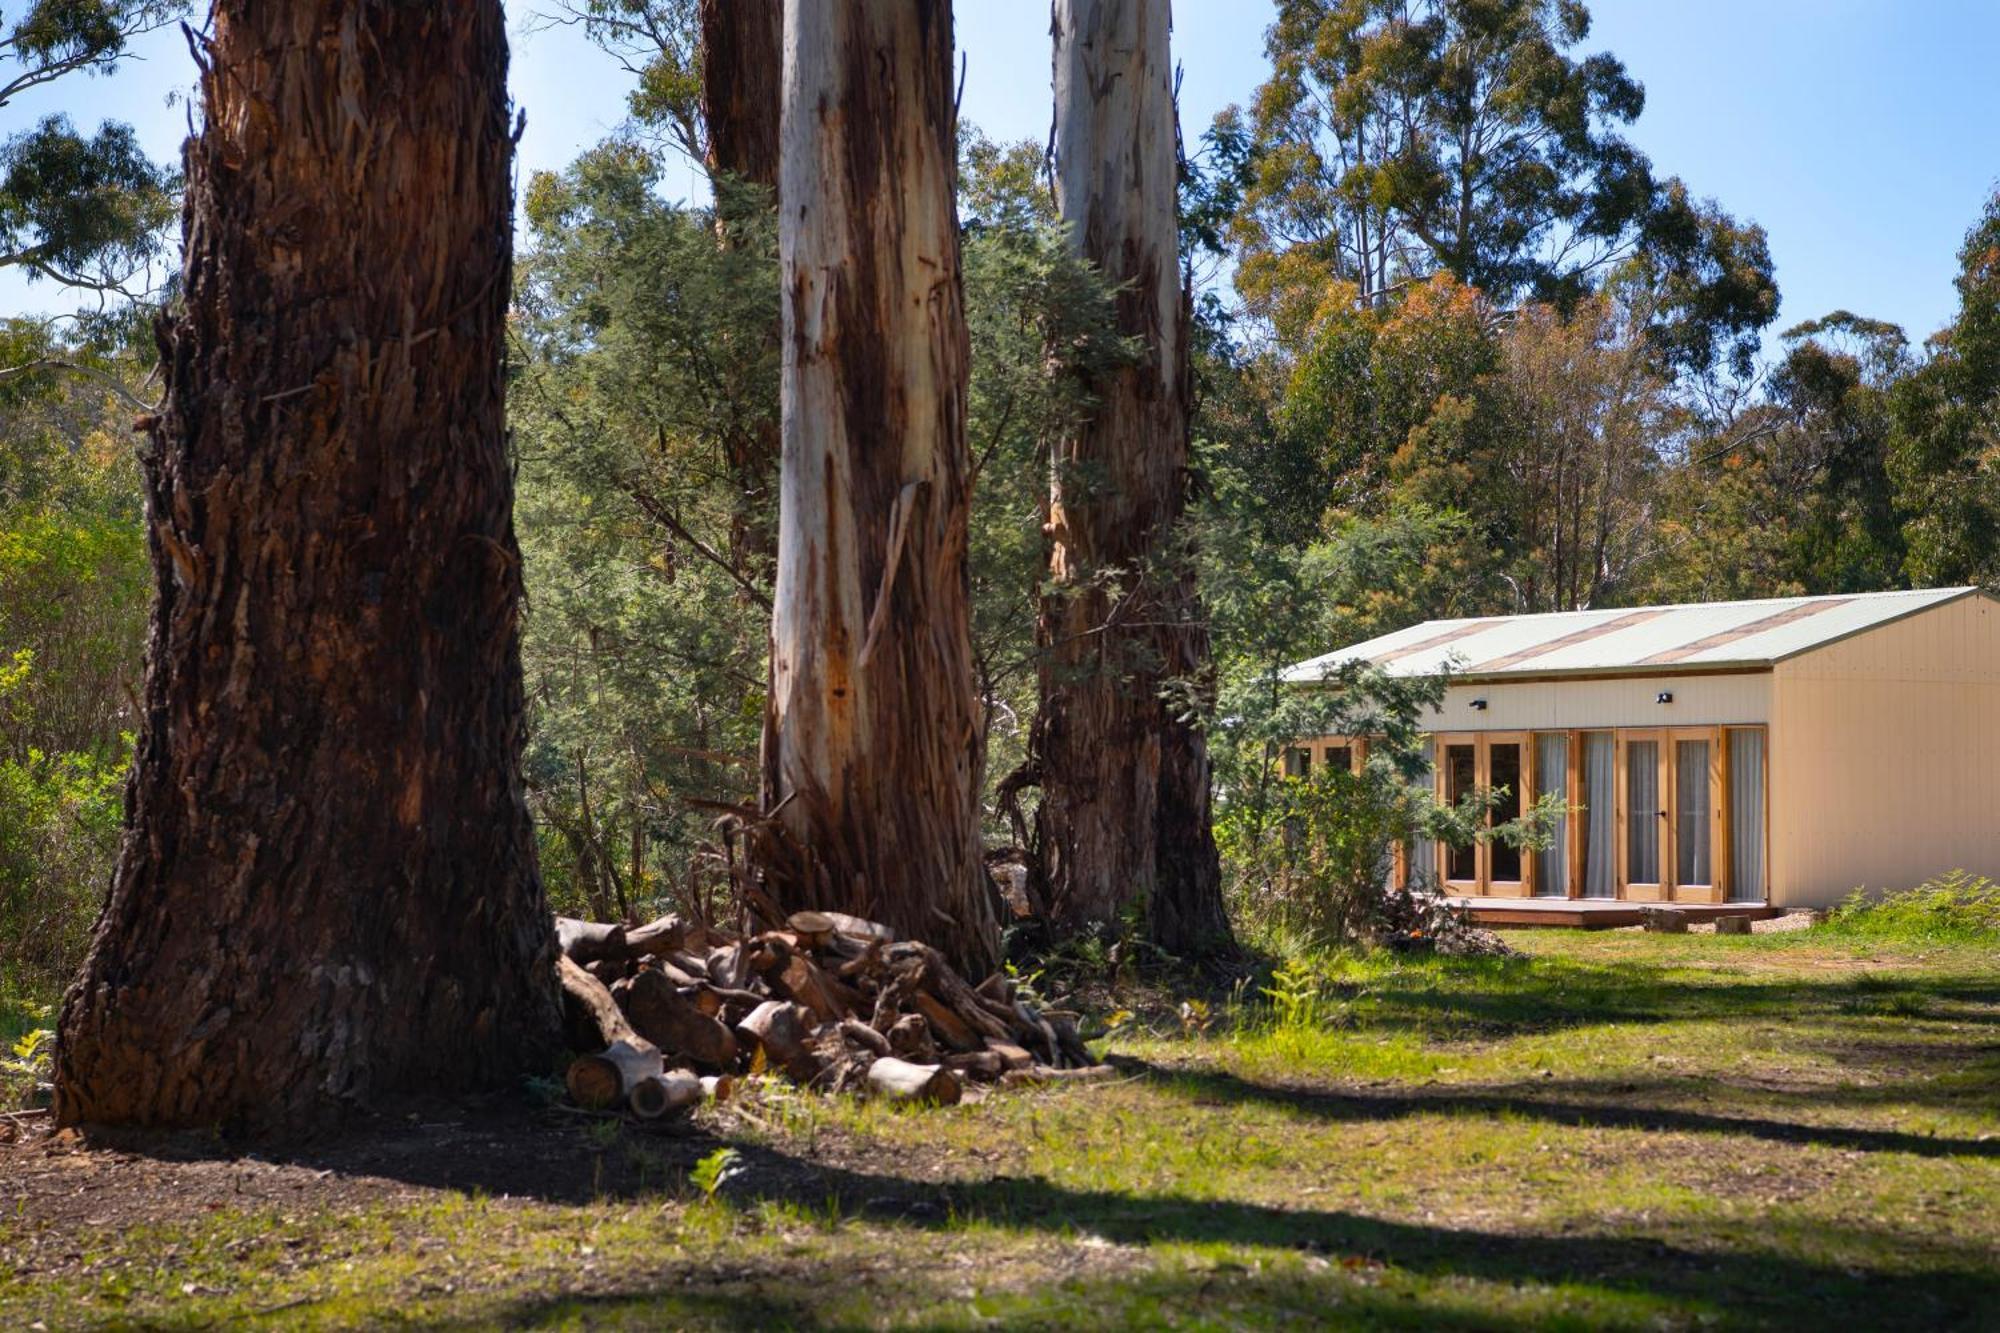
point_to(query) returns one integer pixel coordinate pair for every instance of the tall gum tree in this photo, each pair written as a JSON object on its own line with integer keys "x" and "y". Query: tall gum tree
{"x": 327, "y": 893}
{"x": 873, "y": 746}
{"x": 1124, "y": 772}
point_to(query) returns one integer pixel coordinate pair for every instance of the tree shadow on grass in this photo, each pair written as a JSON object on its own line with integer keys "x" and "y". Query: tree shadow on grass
{"x": 1506, "y": 996}
{"x": 1593, "y": 1105}
{"x": 1357, "y": 1268}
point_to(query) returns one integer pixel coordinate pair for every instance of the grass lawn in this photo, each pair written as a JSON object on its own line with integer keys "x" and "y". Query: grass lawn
{"x": 1616, "y": 1131}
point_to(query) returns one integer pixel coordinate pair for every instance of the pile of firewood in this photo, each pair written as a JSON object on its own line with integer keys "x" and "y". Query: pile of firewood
{"x": 666, "y": 1015}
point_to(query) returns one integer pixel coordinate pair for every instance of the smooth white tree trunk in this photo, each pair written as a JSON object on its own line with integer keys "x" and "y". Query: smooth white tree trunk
{"x": 872, "y": 743}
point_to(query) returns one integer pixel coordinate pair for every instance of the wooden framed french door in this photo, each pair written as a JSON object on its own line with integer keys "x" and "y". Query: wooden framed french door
{"x": 1697, "y": 823}
{"x": 1504, "y": 767}
{"x": 1643, "y": 818}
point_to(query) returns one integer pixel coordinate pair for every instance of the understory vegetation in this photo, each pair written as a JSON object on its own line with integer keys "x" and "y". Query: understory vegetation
{"x": 1615, "y": 1130}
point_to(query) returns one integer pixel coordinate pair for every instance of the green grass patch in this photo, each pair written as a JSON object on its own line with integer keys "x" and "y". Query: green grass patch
{"x": 1615, "y": 1130}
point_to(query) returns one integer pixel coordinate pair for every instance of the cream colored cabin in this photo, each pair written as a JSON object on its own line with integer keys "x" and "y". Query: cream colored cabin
{"x": 1725, "y": 756}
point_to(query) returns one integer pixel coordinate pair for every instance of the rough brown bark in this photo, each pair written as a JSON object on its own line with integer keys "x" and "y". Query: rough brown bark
{"x": 327, "y": 893}
{"x": 742, "y": 61}
{"x": 872, "y": 746}
{"x": 1124, "y": 816}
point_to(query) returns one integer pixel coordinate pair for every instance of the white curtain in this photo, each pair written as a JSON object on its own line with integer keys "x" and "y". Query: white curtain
{"x": 1691, "y": 860}
{"x": 1423, "y": 852}
{"x": 1552, "y": 779}
{"x": 1642, "y": 812}
{"x": 1600, "y": 813}
{"x": 1746, "y": 816}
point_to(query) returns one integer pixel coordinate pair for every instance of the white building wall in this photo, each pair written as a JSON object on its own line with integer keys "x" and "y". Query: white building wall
{"x": 1558, "y": 705}
{"x": 1885, "y": 756}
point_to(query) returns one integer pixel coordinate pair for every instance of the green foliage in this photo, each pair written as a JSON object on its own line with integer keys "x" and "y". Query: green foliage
{"x": 74, "y": 591}
{"x": 1944, "y": 458}
{"x": 1954, "y": 907}
{"x": 715, "y": 1170}
{"x": 85, "y": 211}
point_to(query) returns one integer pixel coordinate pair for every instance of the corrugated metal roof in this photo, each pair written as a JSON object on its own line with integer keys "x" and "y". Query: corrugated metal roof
{"x": 1697, "y": 636}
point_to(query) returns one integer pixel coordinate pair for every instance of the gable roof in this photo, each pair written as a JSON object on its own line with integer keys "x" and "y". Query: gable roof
{"x": 1697, "y": 636}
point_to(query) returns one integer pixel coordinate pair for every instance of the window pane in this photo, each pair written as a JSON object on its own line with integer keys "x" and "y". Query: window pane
{"x": 1340, "y": 758}
{"x": 1600, "y": 815}
{"x": 1552, "y": 778}
{"x": 1746, "y": 816}
{"x": 1691, "y": 831}
{"x": 1298, "y": 763}
{"x": 1503, "y": 761}
{"x": 1642, "y": 810}
{"x": 1459, "y": 780}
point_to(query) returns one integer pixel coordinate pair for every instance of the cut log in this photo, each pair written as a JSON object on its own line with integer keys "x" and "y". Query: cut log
{"x": 864, "y": 1036}
{"x": 910, "y": 1037}
{"x": 802, "y": 981}
{"x": 717, "y": 1087}
{"x": 664, "y": 936}
{"x": 661, "y": 1015}
{"x": 591, "y": 1018}
{"x": 588, "y": 941}
{"x": 813, "y": 929}
{"x": 1014, "y": 1057}
{"x": 666, "y": 1094}
{"x": 901, "y": 1081}
{"x": 998, "y": 989}
{"x": 780, "y": 1028}
{"x": 1046, "y": 1074}
{"x": 949, "y": 1027}
{"x": 694, "y": 964}
{"x": 608, "y": 1077}
{"x": 860, "y": 927}
{"x": 729, "y": 964}
{"x": 977, "y": 1064}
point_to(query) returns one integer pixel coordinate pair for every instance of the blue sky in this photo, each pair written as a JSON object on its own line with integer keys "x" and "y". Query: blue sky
{"x": 1864, "y": 135}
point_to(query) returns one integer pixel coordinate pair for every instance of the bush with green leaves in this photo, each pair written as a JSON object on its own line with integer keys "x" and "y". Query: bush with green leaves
{"x": 1310, "y": 859}
{"x": 1953, "y": 907}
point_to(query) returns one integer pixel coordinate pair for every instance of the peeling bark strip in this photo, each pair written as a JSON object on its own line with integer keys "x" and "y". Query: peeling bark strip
{"x": 327, "y": 892}
{"x": 1124, "y": 816}
{"x": 872, "y": 746}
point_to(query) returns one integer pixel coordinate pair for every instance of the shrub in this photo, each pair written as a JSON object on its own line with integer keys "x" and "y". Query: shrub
{"x": 1958, "y": 906}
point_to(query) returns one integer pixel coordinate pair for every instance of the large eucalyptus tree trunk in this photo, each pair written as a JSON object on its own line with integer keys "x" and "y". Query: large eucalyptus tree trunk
{"x": 327, "y": 893}
{"x": 742, "y": 60}
{"x": 1124, "y": 817}
{"x": 872, "y": 745}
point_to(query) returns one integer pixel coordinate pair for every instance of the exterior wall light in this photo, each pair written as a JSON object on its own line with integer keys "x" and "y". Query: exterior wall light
{"x": 1478, "y": 705}
{"x": 1664, "y": 697}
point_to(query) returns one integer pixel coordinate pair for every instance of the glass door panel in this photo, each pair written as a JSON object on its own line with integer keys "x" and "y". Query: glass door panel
{"x": 1746, "y": 815}
{"x": 1552, "y": 779}
{"x": 1423, "y": 860}
{"x": 1503, "y": 776}
{"x": 1597, "y": 845}
{"x": 1461, "y": 776}
{"x": 1693, "y": 833}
